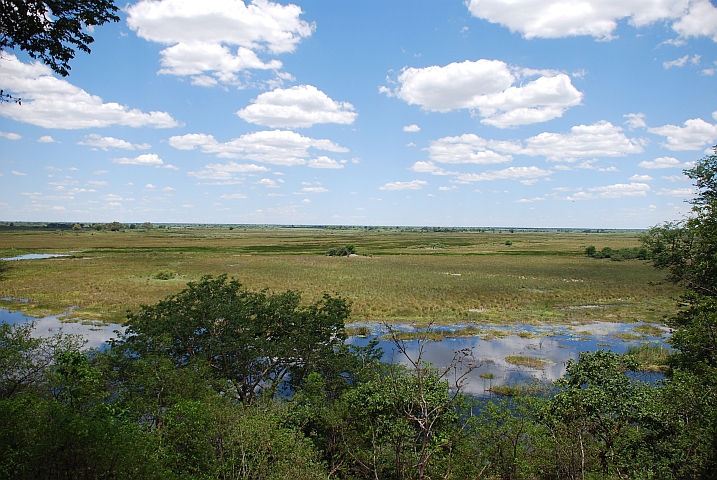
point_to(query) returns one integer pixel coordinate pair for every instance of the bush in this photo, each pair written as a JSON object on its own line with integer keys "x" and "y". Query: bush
{"x": 344, "y": 251}
{"x": 164, "y": 275}
{"x": 635, "y": 253}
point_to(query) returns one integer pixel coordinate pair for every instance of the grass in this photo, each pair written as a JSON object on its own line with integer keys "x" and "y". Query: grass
{"x": 469, "y": 277}
{"x": 533, "y": 388}
{"x": 648, "y": 330}
{"x": 652, "y": 357}
{"x": 527, "y": 361}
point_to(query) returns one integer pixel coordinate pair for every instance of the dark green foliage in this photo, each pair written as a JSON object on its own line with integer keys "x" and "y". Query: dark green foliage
{"x": 114, "y": 226}
{"x": 51, "y": 30}
{"x": 253, "y": 341}
{"x": 635, "y": 253}
{"x": 344, "y": 251}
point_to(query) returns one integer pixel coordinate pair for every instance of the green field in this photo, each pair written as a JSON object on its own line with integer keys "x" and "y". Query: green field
{"x": 400, "y": 275}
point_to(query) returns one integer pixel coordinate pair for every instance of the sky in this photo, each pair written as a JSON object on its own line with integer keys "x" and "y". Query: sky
{"x": 522, "y": 113}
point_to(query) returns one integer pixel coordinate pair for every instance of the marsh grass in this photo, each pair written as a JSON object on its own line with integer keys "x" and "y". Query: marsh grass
{"x": 527, "y": 361}
{"x": 543, "y": 277}
{"x": 652, "y": 357}
{"x": 648, "y": 330}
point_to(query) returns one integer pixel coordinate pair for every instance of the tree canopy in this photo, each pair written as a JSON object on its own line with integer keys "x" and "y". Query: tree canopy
{"x": 51, "y": 30}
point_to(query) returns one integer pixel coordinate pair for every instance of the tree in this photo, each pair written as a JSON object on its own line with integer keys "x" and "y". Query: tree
{"x": 51, "y": 30}
{"x": 253, "y": 342}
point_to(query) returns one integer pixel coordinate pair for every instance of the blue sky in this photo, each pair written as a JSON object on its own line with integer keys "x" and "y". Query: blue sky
{"x": 527, "y": 113}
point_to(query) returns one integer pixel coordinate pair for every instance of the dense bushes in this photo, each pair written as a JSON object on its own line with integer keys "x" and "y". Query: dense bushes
{"x": 635, "y": 253}
{"x": 344, "y": 251}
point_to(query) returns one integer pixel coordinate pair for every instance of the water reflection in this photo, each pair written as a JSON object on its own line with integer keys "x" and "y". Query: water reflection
{"x": 36, "y": 256}
{"x": 562, "y": 344}
{"x": 96, "y": 334}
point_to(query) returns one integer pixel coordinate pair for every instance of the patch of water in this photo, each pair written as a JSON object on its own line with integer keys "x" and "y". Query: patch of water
{"x": 96, "y": 334}
{"x": 556, "y": 344}
{"x": 36, "y": 256}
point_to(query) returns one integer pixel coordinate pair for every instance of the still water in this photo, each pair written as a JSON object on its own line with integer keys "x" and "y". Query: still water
{"x": 96, "y": 334}
{"x": 35, "y": 256}
{"x": 555, "y": 344}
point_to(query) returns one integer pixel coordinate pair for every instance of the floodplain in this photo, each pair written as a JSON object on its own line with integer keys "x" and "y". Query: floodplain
{"x": 400, "y": 275}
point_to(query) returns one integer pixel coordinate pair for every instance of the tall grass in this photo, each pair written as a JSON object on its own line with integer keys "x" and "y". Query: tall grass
{"x": 541, "y": 277}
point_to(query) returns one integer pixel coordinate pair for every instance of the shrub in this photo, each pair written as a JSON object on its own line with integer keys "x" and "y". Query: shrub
{"x": 344, "y": 251}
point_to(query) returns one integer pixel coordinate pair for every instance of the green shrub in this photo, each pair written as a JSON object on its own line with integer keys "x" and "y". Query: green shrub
{"x": 344, "y": 251}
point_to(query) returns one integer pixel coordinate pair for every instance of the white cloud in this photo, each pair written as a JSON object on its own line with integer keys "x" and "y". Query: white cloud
{"x": 19, "y": 174}
{"x": 708, "y": 72}
{"x": 306, "y": 200}
{"x": 299, "y": 106}
{"x": 430, "y": 167}
{"x": 99, "y": 183}
{"x": 635, "y": 120}
{"x": 677, "y": 192}
{"x": 53, "y": 103}
{"x": 149, "y": 186}
{"x": 314, "y": 190}
{"x": 46, "y": 139}
{"x": 279, "y": 147}
{"x": 448, "y": 189}
{"x": 412, "y": 185}
{"x": 596, "y": 18}
{"x": 233, "y": 196}
{"x": 105, "y": 143}
{"x": 622, "y": 190}
{"x": 10, "y": 136}
{"x": 201, "y": 36}
{"x": 226, "y": 171}
{"x": 641, "y": 178}
{"x": 468, "y": 148}
{"x": 413, "y": 128}
{"x": 267, "y": 183}
{"x": 151, "y": 159}
{"x": 694, "y": 135}
{"x": 662, "y": 162}
{"x": 510, "y": 173}
{"x": 601, "y": 139}
{"x": 680, "y": 62}
{"x": 675, "y": 178}
{"x": 324, "y": 162}
{"x": 500, "y": 94}
{"x": 530, "y": 200}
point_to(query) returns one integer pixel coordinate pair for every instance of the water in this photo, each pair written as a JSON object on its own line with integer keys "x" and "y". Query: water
{"x": 35, "y": 256}
{"x": 96, "y": 334}
{"x": 556, "y": 344}
{"x": 561, "y": 344}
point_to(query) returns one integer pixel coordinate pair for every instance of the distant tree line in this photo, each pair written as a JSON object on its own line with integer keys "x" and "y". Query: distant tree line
{"x": 619, "y": 254}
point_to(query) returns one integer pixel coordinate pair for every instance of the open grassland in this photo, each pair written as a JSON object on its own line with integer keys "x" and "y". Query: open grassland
{"x": 400, "y": 276}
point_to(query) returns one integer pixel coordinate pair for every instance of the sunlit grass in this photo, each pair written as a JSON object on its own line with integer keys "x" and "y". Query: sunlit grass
{"x": 652, "y": 357}
{"x": 527, "y": 361}
{"x": 543, "y": 277}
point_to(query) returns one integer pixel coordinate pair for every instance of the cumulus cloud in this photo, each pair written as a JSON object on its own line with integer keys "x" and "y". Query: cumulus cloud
{"x": 596, "y": 18}
{"x": 213, "y": 40}
{"x": 50, "y": 102}
{"x": 641, "y": 178}
{"x": 468, "y": 148}
{"x": 694, "y": 135}
{"x": 267, "y": 183}
{"x": 510, "y": 173}
{"x": 299, "y": 106}
{"x": 503, "y": 95}
{"x": 46, "y": 139}
{"x": 233, "y": 196}
{"x": 314, "y": 190}
{"x": 430, "y": 167}
{"x": 677, "y": 192}
{"x": 151, "y": 159}
{"x": 413, "y": 128}
{"x": 324, "y": 162}
{"x": 105, "y": 143}
{"x": 279, "y": 147}
{"x": 635, "y": 120}
{"x": 680, "y": 62}
{"x": 11, "y": 136}
{"x": 622, "y": 190}
{"x": 226, "y": 171}
{"x": 662, "y": 162}
{"x": 601, "y": 139}
{"x": 412, "y": 185}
